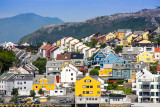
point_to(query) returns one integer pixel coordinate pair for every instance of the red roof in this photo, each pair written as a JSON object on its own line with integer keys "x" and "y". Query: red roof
{"x": 157, "y": 49}
{"x": 158, "y": 68}
{"x": 63, "y": 57}
{"x": 48, "y": 51}
{"x": 46, "y": 46}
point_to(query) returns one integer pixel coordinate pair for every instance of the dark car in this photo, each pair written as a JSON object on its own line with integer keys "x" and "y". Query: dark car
{"x": 37, "y": 102}
{"x": 22, "y": 102}
{"x": 16, "y": 102}
{"x": 68, "y": 100}
{"x": 62, "y": 101}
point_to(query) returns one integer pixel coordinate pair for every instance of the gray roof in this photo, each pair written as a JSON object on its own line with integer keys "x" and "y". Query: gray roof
{"x": 94, "y": 77}
{"x": 56, "y": 63}
{"x": 130, "y": 50}
{"x": 127, "y": 36}
{"x": 124, "y": 30}
{"x": 138, "y": 32}
{"x": 133, "y": 66}
{"x": 5, "y": 76}
{"x": 23, "y": 77}
{"x": 50, "y": 79}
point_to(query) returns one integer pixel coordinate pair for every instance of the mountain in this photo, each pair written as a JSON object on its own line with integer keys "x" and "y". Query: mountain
{"x": 146, "y": 18}
{"x": 13, "y": 28}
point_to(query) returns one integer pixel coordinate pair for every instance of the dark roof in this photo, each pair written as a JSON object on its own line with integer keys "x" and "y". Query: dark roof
{"x": 63, "y": 57}
{"x": 77, "y": 56}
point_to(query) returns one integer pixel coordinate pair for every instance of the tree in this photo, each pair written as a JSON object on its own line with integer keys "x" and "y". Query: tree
{"x": 14, "y": 92}
{"x": 118, "y": 49}
{"x": 32, "y": 93}
{"x": 7, "y": 59}
{"x": 41, "y": 91}
{"x": 40, "y": 63}
{"x": 93, "y": 72}
{"x": 103, "y": 45}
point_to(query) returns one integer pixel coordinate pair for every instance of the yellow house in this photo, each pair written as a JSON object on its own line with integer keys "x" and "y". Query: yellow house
{"x": 46, "y": 83}
{"x": 105, "y": 72}
{"x": 110, "y": 36}
{"x": 88, "y": 86}
{"x": 145, "y": 57}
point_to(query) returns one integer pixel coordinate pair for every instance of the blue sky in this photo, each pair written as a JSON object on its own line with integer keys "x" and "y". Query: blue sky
{"x": 73, "y": 10}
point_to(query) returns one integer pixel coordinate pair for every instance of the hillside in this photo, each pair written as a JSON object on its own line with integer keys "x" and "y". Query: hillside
{"x": 13, "y": 28}
{"x": 146, "y": 18}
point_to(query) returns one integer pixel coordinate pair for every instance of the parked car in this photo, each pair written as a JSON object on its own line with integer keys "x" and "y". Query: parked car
{"x": 68, "y": 100}
{"x": 16, "y": 102}
{"x": 37, "y": 102}
{"x": 62, "y": 101}
{"x": 22, "y": 102}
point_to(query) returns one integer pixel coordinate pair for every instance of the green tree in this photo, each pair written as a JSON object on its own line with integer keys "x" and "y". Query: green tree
{"x": 41, "y": 91}
{"x": 14, "y": 92}
{"x": 103, "y": 45}
{"x": 32, "y": 93}
{"x": 118, "y": 49}
{"x": 40, "y": 63}
{"x": 93, "y": 72}
{"x": 7, "y": 59}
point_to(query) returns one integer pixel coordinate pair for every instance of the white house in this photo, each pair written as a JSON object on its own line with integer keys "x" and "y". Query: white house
{"x": 77, "y": 45}
{"x": 62, "y": 45}
{"x": 69, "y": 74}
{"x": 66, "y": 41}
{"x": 71, "y": 44}
{"x": 80, "y": 47}
{"x": 146, "y": 86}
{"x": 56, "y": 51}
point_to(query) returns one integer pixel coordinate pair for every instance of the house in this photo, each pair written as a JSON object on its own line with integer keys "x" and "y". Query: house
{"x": 110, "y": 36}
{"x": 43, "y": 49}
{"x": 66, "y": 58}
{"x": 146, "y": 86}
{"x": 77, "y": 59}
{"x": 58, "y": 43}
{"x": 112, "y": 58}
{"x": 130, "y": 53}
{"x": 54, "y": 67}
{"x": 128, "y": 39}
{"x": 7, "y": 45}
{"x": 71, "y": 44}
{"x": 145, "y": 43}
{"x": 157, "y": 53}
{"x": 46, "y": 83}
{"x": 113, "y": 42}
{"x": 101, "y": 39}
{"x": 69, "y": 74}
{"x": 87, "y": 39}
{"x": 48, "y": 55}
{"x": 95, "y": 36}
{"x": 145, "y": 57}
{"x": 55, "y": 51}
{"x": 83, "y": 50}
{"x": 62, "y": 42}
{"x": 59, "y": 92}
{"x": 23, "y": 82}
{"x": 87, "y": 87}
{"x": 99, "y": 57}
{"x": 106, "y": 71}
{"x": 77, "y": 45}
{"x": 121, "y": 33}
{"x": 156, "y": 33}
{"x": 90, "y": 52}
{"x": 80, "y": 47}
{"x": 66, "y": 42}
{"x": 5, "y": 85}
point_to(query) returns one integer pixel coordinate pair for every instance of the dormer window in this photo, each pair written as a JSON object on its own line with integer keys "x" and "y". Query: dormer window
{"x": 65, "y": 57}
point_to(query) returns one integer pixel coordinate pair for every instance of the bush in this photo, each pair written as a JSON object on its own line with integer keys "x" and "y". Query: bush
{"x": 13, "y": 100}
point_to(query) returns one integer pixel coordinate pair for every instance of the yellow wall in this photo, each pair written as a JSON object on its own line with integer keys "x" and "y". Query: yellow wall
{"x": 120, "y": 36}
{"x": 105, "y": 72}
{"x": 144, "y": 56}
{"x": 43, "y": 82}
{"x": 58, "y": 43}
{"x": 145, "y": 35}
{"x": 129, "y": 39}
{"x": 79, "y": 87}
{"x": 110, "y": 36}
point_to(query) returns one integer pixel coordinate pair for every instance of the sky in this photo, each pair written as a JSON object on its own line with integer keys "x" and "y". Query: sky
{"x": 73, "y": 10}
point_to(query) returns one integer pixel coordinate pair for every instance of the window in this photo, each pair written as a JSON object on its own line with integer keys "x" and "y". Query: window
{"x": 43, "y": 86}
{"x": 91, "y": 92}
{"x": 85, "y": 80}
{"x": 89, "y": 80}
{"x": 17, "y": 82}
{"x": 69, "y": 70}
{"x": 50, "y": 86}
{"x": 98, "y": 86}
{"x": 66, "y": 69}
{"x": 61, "y": 91}
{"x": 71, "y": 78}
{"x": 95, "y": 98}
{"x": 87, "y": 92}
{"x": 36, "y": 86}
{"x": 71, "y": 74}
{"x": 98, "y": 92}
{"x": 24, "y": 87}
{"x": 91, "y": 86}
{"x": 56, "y": 91}
{"x": 86, "y": 98}
{"x": 50, "y": 69}
{"x": 87, "y": 86}
{"x": 148, "y": 59}
{"x": 24, "y": 82}
{"x": 83, "y": 92}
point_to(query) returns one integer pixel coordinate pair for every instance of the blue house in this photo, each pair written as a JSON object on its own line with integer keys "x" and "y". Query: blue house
{"x": 112, "y": 58}
{"x": 99, "y": 57}
{"x": 121, "y": 70}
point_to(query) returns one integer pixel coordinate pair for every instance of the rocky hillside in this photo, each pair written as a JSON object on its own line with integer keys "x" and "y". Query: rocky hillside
{"x": 14, "y": 28}
{"x": 146, "y": 18}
